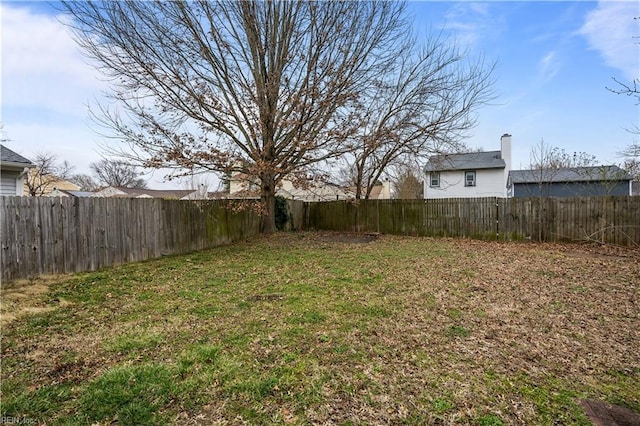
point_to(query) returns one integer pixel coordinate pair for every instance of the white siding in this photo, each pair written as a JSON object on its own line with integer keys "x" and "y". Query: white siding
{"x": 489, "y": 183}
{"x": 10, "y": 183}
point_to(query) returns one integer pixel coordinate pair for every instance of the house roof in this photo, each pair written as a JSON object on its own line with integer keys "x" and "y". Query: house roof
{"x": 468, "y": 161}
{"x": 146, "y": 193}
{"x": 8, "y": 156}
{"x": 157, "y": 193}
{"x": 574, "y": 174}
{"x": 79, "y": 194}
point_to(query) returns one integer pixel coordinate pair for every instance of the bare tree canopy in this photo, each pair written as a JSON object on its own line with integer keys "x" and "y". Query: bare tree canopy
{"x": 117, "y": 173}
{"x": 255, "y": 87}
{"x": 631, "y": 162}
{"x": 545, "y": 157}
{"x": 423, "y": 105}
{"x": 630, "y": 89}
{"x": 407, "y": 186}
{"x": 85, "y": 182}
{"x": 42, "y": 179}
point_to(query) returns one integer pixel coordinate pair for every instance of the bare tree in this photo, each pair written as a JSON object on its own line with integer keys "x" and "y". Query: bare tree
{"x": 117, "y": 173}
{"x": 252, "y": 87}
{"x": 423, "y": 105}
{"x": 201, "y": 183}
{"x": 547, "y": 163}
{"x": 407, "y": 186}
{"x": 85, "y": 182}
{"x": 41, "y": 179}
{"x": 3, "y": 134}
{"x": 631, "y": 162}
{"x": 545, "y": 157}
{"x": 629, "y": 89}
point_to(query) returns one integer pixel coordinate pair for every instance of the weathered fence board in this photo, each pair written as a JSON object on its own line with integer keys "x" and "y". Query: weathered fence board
{"x": 51, "y": 235}
{"x": 614, "y": 220}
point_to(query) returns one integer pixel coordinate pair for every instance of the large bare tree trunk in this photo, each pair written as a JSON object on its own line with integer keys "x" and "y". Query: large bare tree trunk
{"x": 268, "y": 204}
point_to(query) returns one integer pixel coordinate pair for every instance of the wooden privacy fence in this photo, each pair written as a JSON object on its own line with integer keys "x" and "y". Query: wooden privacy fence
{"x": 43, "y": 235}
{"x": 51, "y": 235}
{"x": 614, "y": 220}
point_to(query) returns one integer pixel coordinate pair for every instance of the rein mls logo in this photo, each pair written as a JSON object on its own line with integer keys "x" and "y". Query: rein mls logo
{"x": 10, "y": 420}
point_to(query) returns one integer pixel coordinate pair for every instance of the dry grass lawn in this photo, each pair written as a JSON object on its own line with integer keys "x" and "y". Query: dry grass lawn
{"x": 321, "y": 328}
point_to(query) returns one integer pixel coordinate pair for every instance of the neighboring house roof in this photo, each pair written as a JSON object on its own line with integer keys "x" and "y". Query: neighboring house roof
{"x": 574, "y": 174}
{"x": 79, "y": 194}
{"x": 157, "y": 193}
{"x": 11, "y": 158}
{"x": 143, "y": 193}
{"x": 468, "y": 161}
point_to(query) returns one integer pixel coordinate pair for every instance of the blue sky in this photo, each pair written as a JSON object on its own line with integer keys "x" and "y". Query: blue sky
{"x": 554, "y": 60}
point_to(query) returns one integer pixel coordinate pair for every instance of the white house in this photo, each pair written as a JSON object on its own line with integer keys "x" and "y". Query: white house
{"x": 13, "y": 167}
{"x": 244, "y": 185}
{"x": 469, "y": 175}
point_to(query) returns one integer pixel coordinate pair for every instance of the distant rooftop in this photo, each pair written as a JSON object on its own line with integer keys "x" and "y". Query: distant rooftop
{"x": 79, "y": 194}
{"x": 468, "y": 161}
{"x": 575, "y": 174}
{"x": 8, "y": 156}
{"x": 157, "y": 193}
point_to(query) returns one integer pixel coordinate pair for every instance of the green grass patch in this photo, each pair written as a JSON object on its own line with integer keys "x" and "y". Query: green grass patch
{"x": 490, "y": 420}
{"x": 441, "y": 405}
{"x": 308, "y": 329}
{"x": 135, "y": 342}
{"x": 131, "y": 395}
{"x": 458, "y": 331}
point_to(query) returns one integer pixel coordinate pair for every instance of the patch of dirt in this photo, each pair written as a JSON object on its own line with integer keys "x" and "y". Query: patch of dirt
{"x": 75, "y": 371}
{"x": 26, "y": 297}
{"x": 349, "y": 238}
{"x": 265, "y": 297}
{"x": 603, "y": 414}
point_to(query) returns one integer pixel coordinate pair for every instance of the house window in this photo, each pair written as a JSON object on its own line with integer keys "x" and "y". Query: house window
{"x": 469, "y": 178}
{"x": 434, "y": 180}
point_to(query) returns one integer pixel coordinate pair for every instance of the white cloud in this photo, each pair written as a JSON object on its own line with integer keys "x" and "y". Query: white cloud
{"x": 548, "y": 66}
{"x": 473, "y": 22}
{"x": 46, "y": 86}
{"x": 41, "y": 65}
{"x": 611, "y": 30}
